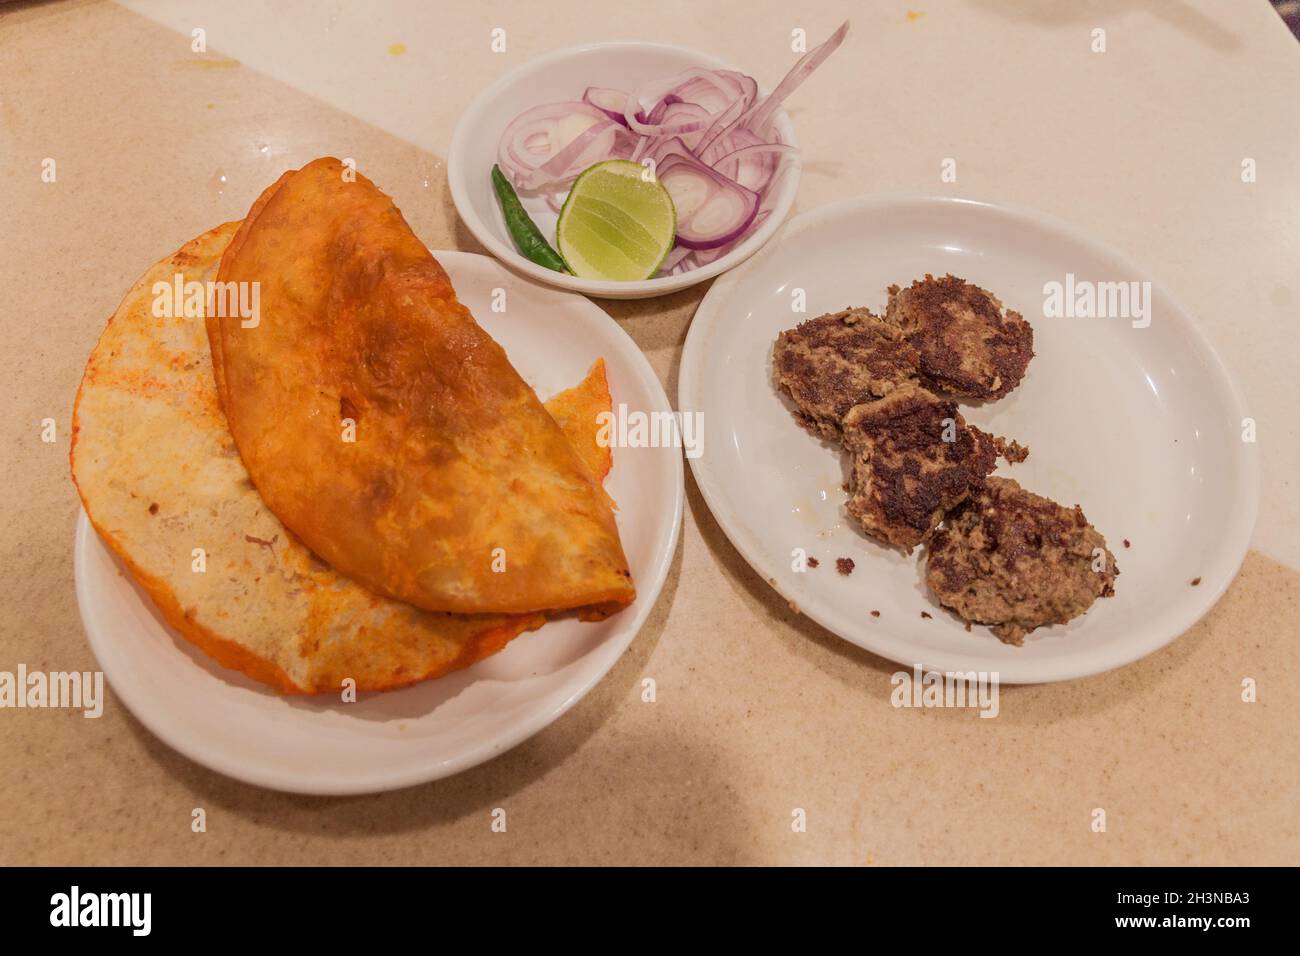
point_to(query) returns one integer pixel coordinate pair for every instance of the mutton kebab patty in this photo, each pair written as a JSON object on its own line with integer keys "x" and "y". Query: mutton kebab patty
{"x": 831, "y": 363}
{"x": 914, "y": 458}
{"x": 969, "y": 349}
{"x": 1016, "y": 560}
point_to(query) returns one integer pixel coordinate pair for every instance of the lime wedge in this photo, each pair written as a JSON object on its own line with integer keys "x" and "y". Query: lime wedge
{"x": 616, "y": 223}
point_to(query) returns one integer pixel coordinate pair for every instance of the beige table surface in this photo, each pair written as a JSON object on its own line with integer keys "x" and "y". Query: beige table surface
{"x": 759, "y": 711}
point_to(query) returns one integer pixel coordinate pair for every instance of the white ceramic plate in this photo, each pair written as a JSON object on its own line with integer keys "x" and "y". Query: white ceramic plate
{"x": 386, "y": 740}
{"x": 1142, "y": 427}
{"x": 564, "y": 75}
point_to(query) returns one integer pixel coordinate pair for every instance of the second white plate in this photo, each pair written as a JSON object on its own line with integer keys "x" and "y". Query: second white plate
{"x": 1141, "y": 426}
{"x": 319, "y": 744}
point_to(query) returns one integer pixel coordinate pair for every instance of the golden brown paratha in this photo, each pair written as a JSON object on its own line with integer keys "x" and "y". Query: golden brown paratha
{"x": 386, "y": 429}
{"x": 160, "y": 476}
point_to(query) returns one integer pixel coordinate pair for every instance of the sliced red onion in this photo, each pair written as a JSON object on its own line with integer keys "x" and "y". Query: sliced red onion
{"x": 537, "y": 135}
{"x": 703, "y": 257}
{"x": 656, "y": 115}
{"x": 728, "y": 142}
{"x": 640, "y": 122}
{"x": 661, "y": 149}
{"x": 725, "y": 120}
{"x": 595, "y": 143}
{"x": 685, "y": 264}
{"x": 610, "y": 102}
{"x": 761, "y": 115}
{"x": 675, "y": 255}
{"x": 714, "y": 90}
{"x": 625, "y": 143}
{"x": 706, "y": 133}
{"x": 712, "y": 210}
{"x": 681, "y": 114}
{"x": 752, "y": 166}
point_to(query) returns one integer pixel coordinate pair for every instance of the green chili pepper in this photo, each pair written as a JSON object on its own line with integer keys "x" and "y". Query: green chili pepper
{"x": 523, "y": 230}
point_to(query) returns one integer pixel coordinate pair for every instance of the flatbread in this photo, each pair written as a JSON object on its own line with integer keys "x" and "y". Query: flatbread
{"x": 571, "y": 410}
{"x": 455, "y": 490}
{"x": 159, "y": 476}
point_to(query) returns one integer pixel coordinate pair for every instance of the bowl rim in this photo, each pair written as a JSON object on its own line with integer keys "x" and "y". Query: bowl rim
{"x": 789, "y": 171}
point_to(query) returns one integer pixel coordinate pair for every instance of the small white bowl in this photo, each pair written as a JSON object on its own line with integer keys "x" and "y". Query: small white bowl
{"x": 564, "y": 75}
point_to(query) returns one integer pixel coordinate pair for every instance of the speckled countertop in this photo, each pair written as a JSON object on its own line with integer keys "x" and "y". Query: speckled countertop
{"x": 758, "y": 710}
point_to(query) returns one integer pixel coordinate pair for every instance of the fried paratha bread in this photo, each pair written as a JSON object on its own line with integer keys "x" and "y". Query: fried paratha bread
{"x": 575, "y": 410}
{"x": 914, "y": 458}
{"x": 835, "y": 361}
{"x": 1017, "y": 561}
{"x": 386, "y": 429}
{"x": 159, "y": 476}
{"x": 969, "y": 347}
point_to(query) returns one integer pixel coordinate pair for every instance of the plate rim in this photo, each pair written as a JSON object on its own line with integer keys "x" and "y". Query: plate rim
{"x": 1244, "y": 509}
{"x": 153, "y": 715}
